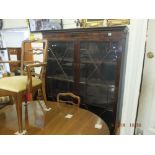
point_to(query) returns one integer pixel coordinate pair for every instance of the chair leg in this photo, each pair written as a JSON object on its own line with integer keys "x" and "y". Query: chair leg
{"x": 44, "y": 104}
{"x": 19, "y": 115}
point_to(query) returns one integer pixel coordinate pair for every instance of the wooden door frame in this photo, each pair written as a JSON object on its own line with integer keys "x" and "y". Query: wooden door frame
{"x": 131, "y": 76}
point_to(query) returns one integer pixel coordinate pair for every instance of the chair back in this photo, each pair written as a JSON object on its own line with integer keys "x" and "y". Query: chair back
{"x": 33, "y": 52}
{"x": 69, "y": 98}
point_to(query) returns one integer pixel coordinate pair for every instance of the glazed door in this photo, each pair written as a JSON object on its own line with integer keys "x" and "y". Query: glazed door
{"x": 98, "y": 61}
{"x": 60, "y": 68}
{"x": 146, "y": 112}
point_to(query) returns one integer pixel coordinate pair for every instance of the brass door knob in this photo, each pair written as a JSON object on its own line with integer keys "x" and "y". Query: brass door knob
{"x": 150, "y": 55}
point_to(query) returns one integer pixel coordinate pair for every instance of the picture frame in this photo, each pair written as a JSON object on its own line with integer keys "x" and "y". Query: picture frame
{"x": 40, "y": 25}
{"x": 87, "y": 23}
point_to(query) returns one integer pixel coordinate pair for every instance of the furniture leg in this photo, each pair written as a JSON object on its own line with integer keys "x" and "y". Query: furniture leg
{"x": 44, "y": 104}
{"x": 19, "y": 115}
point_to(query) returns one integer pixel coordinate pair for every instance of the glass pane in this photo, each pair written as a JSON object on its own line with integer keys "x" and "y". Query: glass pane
{"x": 61, "y": 59}
{"x": 60, "y": 67}
{"x": 97, "y": 72}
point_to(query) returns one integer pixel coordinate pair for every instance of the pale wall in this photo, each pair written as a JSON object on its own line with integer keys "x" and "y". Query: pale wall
{"x": 133, "y": 73}
{"x": 14, "y": 23}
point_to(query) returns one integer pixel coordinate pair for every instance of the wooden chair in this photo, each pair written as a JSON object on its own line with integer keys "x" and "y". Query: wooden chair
{"x": 32, "y": 77}
{"x": 66, "y": 98}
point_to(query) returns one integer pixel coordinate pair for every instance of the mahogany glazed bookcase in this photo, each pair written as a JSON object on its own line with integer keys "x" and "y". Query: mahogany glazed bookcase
{"x": 87, "y": 62}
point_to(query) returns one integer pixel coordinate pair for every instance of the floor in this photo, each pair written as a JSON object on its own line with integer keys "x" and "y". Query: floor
{"x": 36, "y": 121}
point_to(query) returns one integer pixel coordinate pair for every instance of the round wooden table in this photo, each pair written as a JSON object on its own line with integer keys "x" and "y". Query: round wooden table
{"x": 55, "y": 122}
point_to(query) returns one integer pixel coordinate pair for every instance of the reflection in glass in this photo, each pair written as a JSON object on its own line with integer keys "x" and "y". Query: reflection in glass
{"x": 97, "y": 72}
{"x": 60, "y": 57}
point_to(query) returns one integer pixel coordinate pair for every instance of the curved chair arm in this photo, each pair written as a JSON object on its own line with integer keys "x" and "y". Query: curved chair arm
{"x": 29, "y": 74}
{"x": 36, "y": 65}
{"x": 68, "y": 94}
